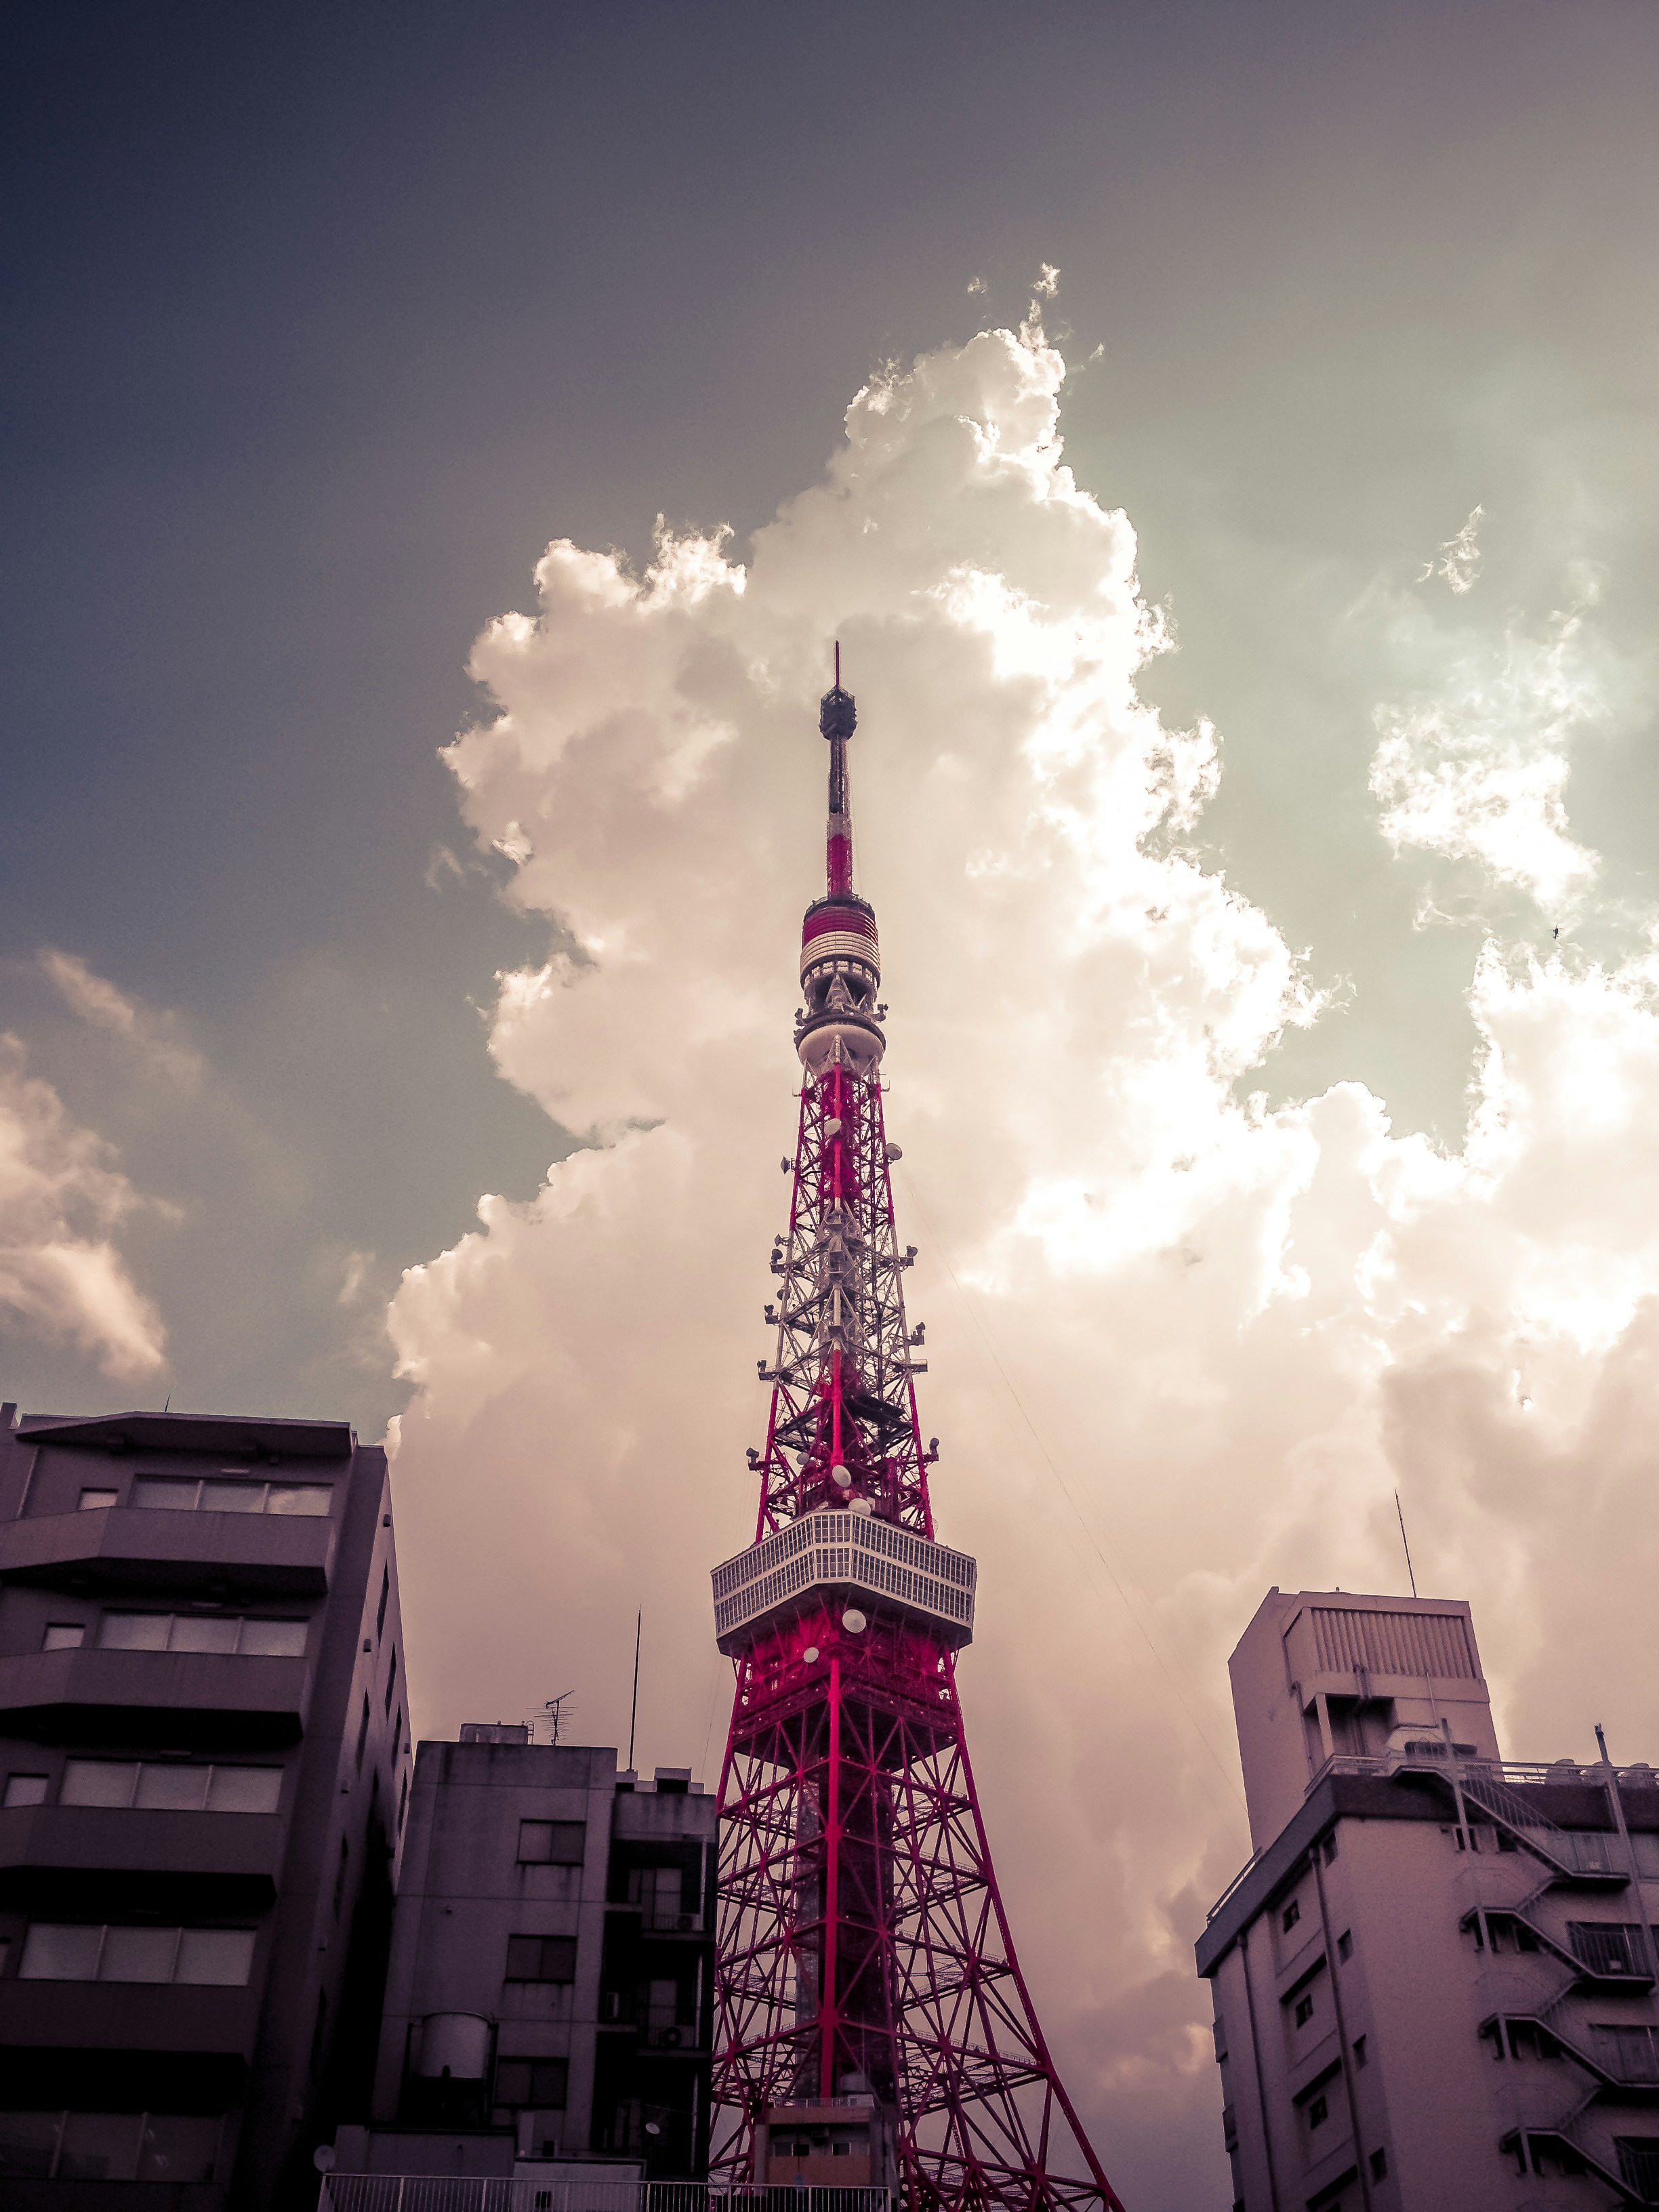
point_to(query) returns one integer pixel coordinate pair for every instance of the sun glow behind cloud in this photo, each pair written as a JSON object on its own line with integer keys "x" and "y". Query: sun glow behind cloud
{"x": 1182, "y": 1346}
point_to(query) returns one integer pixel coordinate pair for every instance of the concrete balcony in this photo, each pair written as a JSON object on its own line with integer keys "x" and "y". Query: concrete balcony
{"x": 113, "y": 1696}
{"x": 48, "y": 1849}
{"x": 127, "y": 1548}
{"x": 128, "y": 2016}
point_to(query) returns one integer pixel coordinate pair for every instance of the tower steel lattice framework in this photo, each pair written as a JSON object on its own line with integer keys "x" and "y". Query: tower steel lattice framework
{"x": 864, "y": 1956}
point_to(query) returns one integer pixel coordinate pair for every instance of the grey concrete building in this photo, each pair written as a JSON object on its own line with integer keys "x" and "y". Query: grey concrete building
{"x": 551, "y": 1997}
{"x": 1434, "y": 1981}
{"x": 203, "y": 1762}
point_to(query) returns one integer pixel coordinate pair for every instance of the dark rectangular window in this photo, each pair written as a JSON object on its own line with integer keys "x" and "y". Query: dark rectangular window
{"x": 1303, "y": 2011}
{"x": 397, "y": 1734}
{"x": 1329, "y": 1847}
{"x": 59, "y": 2146}
{"x": 1360, "y": 2053}
{"x": 1345, "y": 1944}
{"x": 533, "y": 2082}
{"x": 1291, "y": 1915}
{"x": 379, "y": 1612}
{"x": 1220, "y": 2038}
{"x": 392, "y": 1678}
{"x": 1379, "y": 2166}
{"x": 403, "y": 1803}
{"x": 552, "y": 1843}
{"x": 362, "y": 1731}
{"x": 1318, "y": 2112}
{"x": 541, "y": 1958}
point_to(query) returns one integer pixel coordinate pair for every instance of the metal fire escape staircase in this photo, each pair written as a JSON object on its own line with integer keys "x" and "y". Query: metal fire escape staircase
{"x": 1577, "y": 1859}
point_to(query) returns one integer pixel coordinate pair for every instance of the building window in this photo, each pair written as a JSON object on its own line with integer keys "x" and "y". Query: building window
{"x": 1220, "y": 2038}
{"x": 541, "y": 1959}
{"x": 167, "y": 1494}
{"x": 1345, "y": 1944}
{"x": 532, "y": 2082}
{"x": 1361, "y": 2056}
{"x": 379, "y": 1610}
{"x": 64, "y": 1636}
{"x": 391, "y": 1678}
{"x": 172, "y": 2147}
{"x": 1318, "y": 2112}
{"x": 1303, "y": 2011}
{"x": 397, "y": 1734}
{"x": 658, "y": 1892}
{"x": 552, "y": 1843}
{"x": 92, "y": 1500}
{"x": 205, "y": 1957}
{"x": 362, "y": 1731}
{"x": 1329, "y": 1847}
{"x": 219, "y": 1632}
{"x": 403, "y": 1803}
{"x": 1379, "y": 2166}
{"x": 1291, "y": 1915}
{"x": 26, "y": 1790}
{"x": 170, "y": 1787}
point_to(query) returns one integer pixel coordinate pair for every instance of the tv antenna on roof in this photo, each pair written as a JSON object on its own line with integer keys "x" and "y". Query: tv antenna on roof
{"x": 548, "y": 1713}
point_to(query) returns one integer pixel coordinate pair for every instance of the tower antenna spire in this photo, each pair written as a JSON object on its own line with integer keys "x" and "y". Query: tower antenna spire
{"x": 837, "y": 719}
{"x": 864, "y": 1956}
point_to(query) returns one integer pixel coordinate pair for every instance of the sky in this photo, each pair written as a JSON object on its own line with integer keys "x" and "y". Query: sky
{"x": 441, "y": 447}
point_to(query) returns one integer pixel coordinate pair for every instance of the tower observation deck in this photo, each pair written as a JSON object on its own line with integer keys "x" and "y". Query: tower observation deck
{"x": 872, "y": 2026}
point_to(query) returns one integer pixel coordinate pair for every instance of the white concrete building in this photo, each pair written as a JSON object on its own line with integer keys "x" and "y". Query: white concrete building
{"x": 1434, "y": 1983}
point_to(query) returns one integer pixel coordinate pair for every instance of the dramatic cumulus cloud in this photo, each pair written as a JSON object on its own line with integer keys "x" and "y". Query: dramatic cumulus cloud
{"x": 1182, "y": 1346}
{"x": 61, "y": 1197}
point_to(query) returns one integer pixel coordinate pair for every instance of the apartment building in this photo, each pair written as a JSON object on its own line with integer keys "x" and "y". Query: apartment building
{"x": 1434, "y": 1982}
{"x": 551, "y": 1997}
{"x": 204, "y": 1772}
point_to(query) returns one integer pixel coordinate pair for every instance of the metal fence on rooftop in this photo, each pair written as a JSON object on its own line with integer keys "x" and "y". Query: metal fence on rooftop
{"x": 419, "y": 2192}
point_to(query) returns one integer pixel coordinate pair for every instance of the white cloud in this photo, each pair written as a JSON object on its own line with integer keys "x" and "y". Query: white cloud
{"x": 60, "y": 1196}
{"x": 1181, "y": 1347}
{"x": 1475, "y": 765}
{"x": 1460, "y": 559}
{"x": 97, "y": 1001}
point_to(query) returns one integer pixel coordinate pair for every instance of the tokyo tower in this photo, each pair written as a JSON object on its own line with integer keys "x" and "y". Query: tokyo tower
{"x": 872, "y": 2026}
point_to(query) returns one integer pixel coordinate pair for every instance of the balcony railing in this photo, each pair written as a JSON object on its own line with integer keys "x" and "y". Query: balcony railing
{"x": 415, "y": 2192}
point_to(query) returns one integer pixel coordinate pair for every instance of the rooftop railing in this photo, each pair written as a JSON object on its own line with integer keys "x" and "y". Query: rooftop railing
{"x": 1497, "y": 1785}
{"x": 421, "y": 2192}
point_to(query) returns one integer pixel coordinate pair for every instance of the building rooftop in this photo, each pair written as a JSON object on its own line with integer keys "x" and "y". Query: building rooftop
{"x": 175, "y": 1432}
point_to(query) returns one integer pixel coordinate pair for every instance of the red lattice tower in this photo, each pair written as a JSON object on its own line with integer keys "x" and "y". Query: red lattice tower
{"x": 872, "y": 2024}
